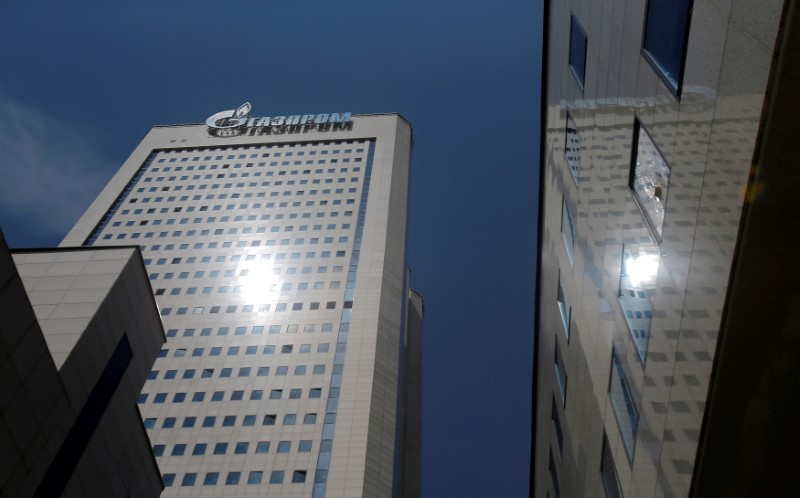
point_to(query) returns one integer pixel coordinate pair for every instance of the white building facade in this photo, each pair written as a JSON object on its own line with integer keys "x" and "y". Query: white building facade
{"x": 277, "y": 255}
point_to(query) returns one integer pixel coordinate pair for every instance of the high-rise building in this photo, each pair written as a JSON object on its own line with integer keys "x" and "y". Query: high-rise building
{"x": 666, "y": 351}
{"x": 276, "y": 249}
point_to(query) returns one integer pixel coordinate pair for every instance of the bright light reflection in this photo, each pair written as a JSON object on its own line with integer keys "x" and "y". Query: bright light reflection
{"x": 261, "y": 285}
{"x": 641, "y": 269}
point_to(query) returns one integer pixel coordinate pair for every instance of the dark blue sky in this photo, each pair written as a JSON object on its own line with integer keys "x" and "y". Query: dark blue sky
{"x": 80, "y": 85}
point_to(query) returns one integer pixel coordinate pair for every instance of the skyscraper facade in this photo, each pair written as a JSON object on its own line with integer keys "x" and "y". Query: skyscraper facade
{"x": 665, "y": 202}
{"x": 276, "y": 249}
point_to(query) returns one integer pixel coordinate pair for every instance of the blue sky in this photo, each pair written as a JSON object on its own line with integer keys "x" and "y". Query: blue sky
{"x": 82, "y": 83}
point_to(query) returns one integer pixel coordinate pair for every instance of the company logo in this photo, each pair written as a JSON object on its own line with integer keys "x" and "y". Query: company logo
{"x": 236, "y": 122}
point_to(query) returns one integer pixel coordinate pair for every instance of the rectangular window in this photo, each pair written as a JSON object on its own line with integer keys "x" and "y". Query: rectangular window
{"x": 563, "y": 307}
{"x": 561, "y": 374}
{"x": 572, "y": 149}
{"x": 577, "y": 51}
{"x": 638, "y": 273}
{"x": 554, "y": 476}
{"x": 608, "y": 472}
{"x": 557, "y": 427}
{"x": 568, "y": 231}
{"x": 623, "y": 403}
{"x": 649, "y": 178}
{"x": 666, "y": 34}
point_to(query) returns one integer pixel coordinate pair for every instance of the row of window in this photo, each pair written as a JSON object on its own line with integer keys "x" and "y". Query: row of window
{"x": 213, "y": 245}
{"x": 232, "y": 175}
{"x": 287, "y": 145}
{"x": 229, "y": 421}
{"x": 246, "y": 195}
{"x": 195, "y": 179}
{"x": 244, "y": 272}
{"x": 284, "y": 287}
{"x": 239, "y": 395}
{"x": 233, "y": 478}
{"x": 214, "y": 186}
{"x": 249, "y": 257}
{"x": 257, "y": 330}
{"x": 250, "y": 156}
{"x": 252, "y": 308}
{"x": 289, "y": 270}
{"x": 227, "y": 372}
{"x": 218, "y": 207}
{"x": 240, "y": 448}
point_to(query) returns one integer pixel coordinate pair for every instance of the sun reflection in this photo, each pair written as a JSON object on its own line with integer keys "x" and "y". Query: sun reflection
{"x": 261, "y": 285}
{"x": 641, "y": 269}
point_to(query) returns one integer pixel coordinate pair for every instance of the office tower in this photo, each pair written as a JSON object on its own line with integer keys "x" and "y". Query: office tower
{"x": 276, "y": 249}
{"x": 79, "y": 330}
{"x": 666, "y": 358}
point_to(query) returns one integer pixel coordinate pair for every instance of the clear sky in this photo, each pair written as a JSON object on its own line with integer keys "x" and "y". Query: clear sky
{"x": 81, "y": 83}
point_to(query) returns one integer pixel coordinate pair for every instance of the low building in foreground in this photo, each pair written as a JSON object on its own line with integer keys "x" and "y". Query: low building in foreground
{"x": 79, "y": 331}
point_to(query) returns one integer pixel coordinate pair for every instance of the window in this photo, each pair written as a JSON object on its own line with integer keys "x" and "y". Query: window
{"x": 557, "y": 427}
{"x": 189, "y": 479}
{"x": 232, "y": 478}
{"x": 561, "y": 374}
{"x": 554, "y": 477}
{"x": 211, "y": 479}
{"x": 577, "y": 51}
{"x": 568, "y": 231}
{"x": 608, "y": 472}
{"x": 262, "y": 447}
{"x": 666, "y": 34}
{"x": 310, "y": 419}
{"x": 276, "y": 477}
{"x": 638, "y": 274}
{"x": 220, "y": 448}
{"x": 199, "y": 449}
{"x": 563, "y": 307}
{"x": 299, "y": 476}
{"x": 241, "y": 448}
{"x": 623, "y": 403}
{"x": 289, "y": 419}
{"x": 284, "y": 446}
{"x": 304, "y": 446}
{"x": 255, "y": 477}
{"x": 572, "y": 149}
{"x": 649, "y": 178}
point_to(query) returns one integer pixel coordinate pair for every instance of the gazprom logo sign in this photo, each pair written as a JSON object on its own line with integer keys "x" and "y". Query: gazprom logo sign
{"x": 236, "y": 122}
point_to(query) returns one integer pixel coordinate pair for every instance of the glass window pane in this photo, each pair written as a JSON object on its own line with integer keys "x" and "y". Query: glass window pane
{"x": 638, "y": 276}
{"x": 577, "y": 51}
{"x": 623, "y": 403}
{"x": 649, "y": 178}
{"x": 664, "y": 46}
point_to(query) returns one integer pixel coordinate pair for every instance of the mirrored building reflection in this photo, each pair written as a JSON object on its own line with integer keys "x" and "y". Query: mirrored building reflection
{"x": 667, "y": 268}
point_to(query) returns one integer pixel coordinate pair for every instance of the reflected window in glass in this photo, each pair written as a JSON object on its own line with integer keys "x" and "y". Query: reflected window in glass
{"x": 572, "y": 149}
{"x": 649, "y": 178}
